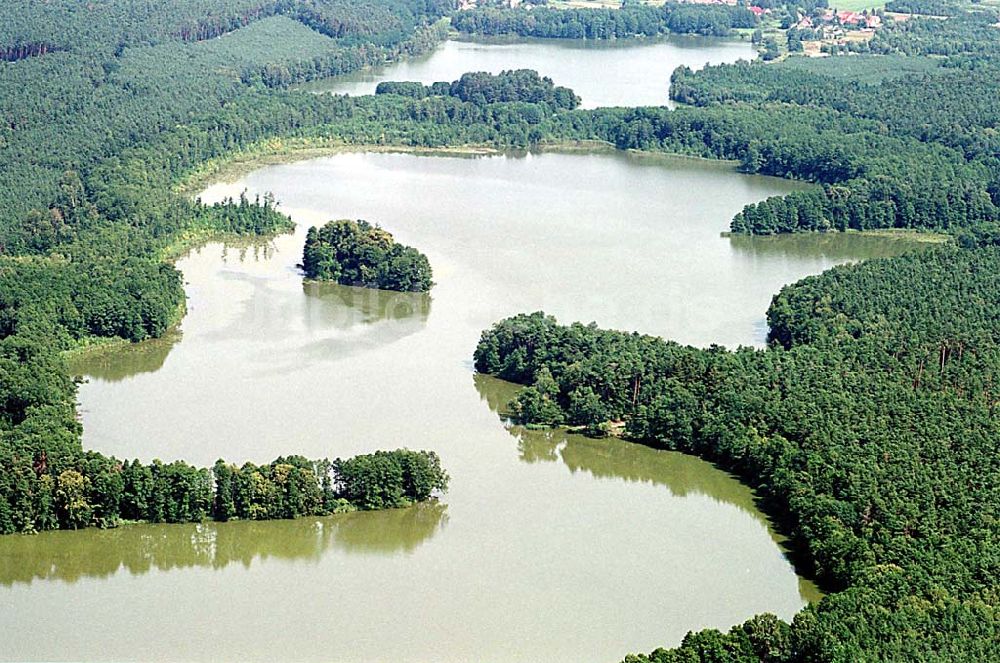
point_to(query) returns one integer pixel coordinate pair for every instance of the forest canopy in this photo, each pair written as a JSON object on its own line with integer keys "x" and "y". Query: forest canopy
{"x": 94, "y": 490}
{"x": 358, "y": 253}
{"x": 631, "y": 20}
{"x": 873, "y": 438}
{"x": 483, "y": 88}
{"x": 869, "y": 427}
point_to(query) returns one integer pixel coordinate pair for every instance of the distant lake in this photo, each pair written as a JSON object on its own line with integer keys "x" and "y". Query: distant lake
{"x": 603, "y": 73}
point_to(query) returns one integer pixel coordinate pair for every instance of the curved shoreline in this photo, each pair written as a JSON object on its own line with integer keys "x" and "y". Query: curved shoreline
{"x": 276, "y": 151}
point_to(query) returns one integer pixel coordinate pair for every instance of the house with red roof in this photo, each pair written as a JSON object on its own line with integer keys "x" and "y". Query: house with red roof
{"x": 849, "y": 18}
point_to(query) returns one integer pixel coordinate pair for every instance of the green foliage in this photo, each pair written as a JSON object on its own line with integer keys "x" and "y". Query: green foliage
{"x": 869, "y": 428}
{"x": 107, "y": 27}
{"x": 43, "y": 491}
{"x": 358, "y": 253}
{"x": 893, "y": 150}
{"x": 586, "y": 409}
{"x": 286, "y": 488}
{"x": 71, "y": 499}
{"x": 482, "y": 88}
{"x": 925, "y": 7}
{"x": 771, "y": 50}
{"x": 130, "y": 73}
{"x": 533, "y": 406}
{"x": 105, "y": 108}
{"x": 243, "y": 217}
{"x": 130, "y": 298}
{"x": 763, "y": 638}
{"x": 872, "y": 438}
{"x": 522, "y": 85}
{"x": 629, "y": 21}
{"x": 389, "y": 479}
{"x": 901, "y": 304}
{"x": 965, "y": 33}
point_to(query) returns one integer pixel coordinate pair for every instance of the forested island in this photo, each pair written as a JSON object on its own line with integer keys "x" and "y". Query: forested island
{"x": 869, "y": 426}
{"x": 358, "y": 253}
{"x": 484, "y": 88}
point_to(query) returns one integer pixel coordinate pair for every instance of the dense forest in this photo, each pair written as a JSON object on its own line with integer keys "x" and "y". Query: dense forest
{"x": 105, "y": 106}
{"x": 632, "y": 20}
{"x": 890, "y": 150}
{"x": 358, "y": 253}
{"x": 869, "y": 426}
{"x": 71, "y": 491}
{"x": 925, "y": 7}
{"x": 524, "y": 85}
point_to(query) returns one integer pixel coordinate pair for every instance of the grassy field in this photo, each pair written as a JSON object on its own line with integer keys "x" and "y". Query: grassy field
{"x": 591, "y": 4}
{"x": 848, "y": 5}
{"x": 856, "y": 5}
{"x": 573, "y": 4}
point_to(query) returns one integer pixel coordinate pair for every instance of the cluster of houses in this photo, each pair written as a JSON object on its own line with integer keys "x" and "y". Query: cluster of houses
{"x": 710, "y": 2}
{"x": 826, "y": 22}
{"x": 830, "y": 20}
{"x": 829, "y": 24}
{"x": 472, "y": 4}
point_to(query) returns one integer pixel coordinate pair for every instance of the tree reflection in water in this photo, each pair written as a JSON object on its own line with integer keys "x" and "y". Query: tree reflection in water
{"x": 137, "y": 549}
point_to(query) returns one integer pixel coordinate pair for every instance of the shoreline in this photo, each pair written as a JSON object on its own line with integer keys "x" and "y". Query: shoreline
{"x": 276, "y": 151}
{"x": 91, "y": 347}
{"x": 907, "y": 234}
{"x": 196, "y": 238}
{"x": 236, "y": 164}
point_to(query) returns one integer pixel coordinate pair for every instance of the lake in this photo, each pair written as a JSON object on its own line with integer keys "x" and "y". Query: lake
{"x": 548, "y": 546}
{"x": 603, "y": 73}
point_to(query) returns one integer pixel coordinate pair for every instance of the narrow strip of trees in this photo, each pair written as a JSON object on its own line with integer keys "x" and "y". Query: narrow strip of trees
{"x": 70, "y": 491}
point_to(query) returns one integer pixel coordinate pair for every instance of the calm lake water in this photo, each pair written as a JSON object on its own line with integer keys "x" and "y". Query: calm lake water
{"x": 625, "y": 73}
{"x": 548, "y": 547}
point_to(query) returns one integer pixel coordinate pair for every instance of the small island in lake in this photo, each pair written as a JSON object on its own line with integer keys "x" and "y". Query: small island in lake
{"x": 358, "y": 253}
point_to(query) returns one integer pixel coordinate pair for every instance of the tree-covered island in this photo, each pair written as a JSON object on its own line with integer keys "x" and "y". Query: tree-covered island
{"x": 358, "y": 253}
